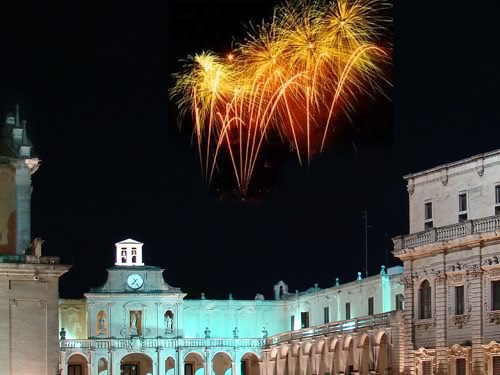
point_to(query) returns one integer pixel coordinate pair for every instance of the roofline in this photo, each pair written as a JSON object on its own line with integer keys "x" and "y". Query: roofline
{"x": 453, "y": 164}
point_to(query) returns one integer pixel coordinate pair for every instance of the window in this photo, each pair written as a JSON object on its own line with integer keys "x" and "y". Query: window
{"x": 348, "y": 310}
{"x": 461, "y": 366}
{"x": 426, "y": 368}
{"x": 292, "y": 322}
{"x": 495, "y": 295}
{"x": 188, "y": 369}
{"x": 130, "y": 369}
{"x": 75, "y": 370}
{"x": 370, "y": 306}
{"x": 462, "y": 207}
{"x": 428, "y": 216}
{"x": 459, "y": 300}
{"x": 399, "y": 302}
{"x": 425, "y": 300}
{"x": 497, "y": 200}
{"x": 496, "y": 364}
{"x": 326, "y": 315}
{"x": 304, "y": 319}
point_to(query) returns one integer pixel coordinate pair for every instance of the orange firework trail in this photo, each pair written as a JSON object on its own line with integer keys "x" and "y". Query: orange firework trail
{"x": 293, "y": 75}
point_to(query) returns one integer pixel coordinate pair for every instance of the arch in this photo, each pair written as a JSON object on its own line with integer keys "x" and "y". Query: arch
{"x": 350, "y": 358}
{"x": 250, "y": 364}
{"x": 336, "y": 348}
{"x": 222, "y": 363}
{"x": 196, "y": 362}
{"x": 170, "y": 366}
{"x": 425, "y": 300}
{"x": 365, "y": 364}
{"x": 102, "y": 366}
{"x": 142, "y": 363}
{"x": 77, "y": 361}
{"x": 382, "y": 359}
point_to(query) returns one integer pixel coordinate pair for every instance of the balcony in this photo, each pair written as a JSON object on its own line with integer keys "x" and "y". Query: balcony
{"x": 343, "y": 326}
{"x": 145, "y": 343}
{"x": 447, "y": 233}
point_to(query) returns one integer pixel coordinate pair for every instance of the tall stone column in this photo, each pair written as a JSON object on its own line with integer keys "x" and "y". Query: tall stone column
{"x": 110, "y": 361}
{"x": 23, "y": 206}
{"x": 208, "y": 362}
{"x": 409, "y": 299}
{"x": 441, "y": 322}
{"x": 476, "y": 318}
{"x": 161, "y": 361}
{"x": 180, "y": 362}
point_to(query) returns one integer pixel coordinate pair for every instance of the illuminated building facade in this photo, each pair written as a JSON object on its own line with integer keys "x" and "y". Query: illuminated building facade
{"x": 452, "y": 269}
{"x": 138, "y": 324}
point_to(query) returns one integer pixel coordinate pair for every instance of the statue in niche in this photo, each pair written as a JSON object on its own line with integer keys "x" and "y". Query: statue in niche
{"x": 169, "y": 322}
{"x": 101, "y": 323}
{"x": 135, "y": 323}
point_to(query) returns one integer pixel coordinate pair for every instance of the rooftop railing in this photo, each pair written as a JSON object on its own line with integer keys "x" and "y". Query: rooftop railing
{"x": 450, "y": 232}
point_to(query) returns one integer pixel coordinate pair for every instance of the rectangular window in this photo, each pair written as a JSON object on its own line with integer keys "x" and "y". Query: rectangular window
{"x": 348, "y": 311}
{"x": 496, "y": 365}
{"x": 75, "y": 370}
{"x": 426, "y": 368}
{"x": 462, "y": 207}
{"x": 459, "y": 300}
{"x": 304, "y": 319}
{"x": 292, "y": 322}
{"x": 370, "y": 306}
{"x": 461, "y": 366}
{"x": 495, "y": 295}
{"x": 326, "y": 315}
{"x": 188, "y": 369}
{"x": 497, "y": 200}
{"x": 399, "y": 302}
{"x": 428, "y": 224}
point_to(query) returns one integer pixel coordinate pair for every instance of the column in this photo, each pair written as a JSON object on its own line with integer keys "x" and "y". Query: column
{"x": 179, "y": 363}
{"x": 441, "y": 300}
{"x": 208, "y": 362}
{"x": 236, "y": 363}
{"x": 62, "y": 363}
{"x": 409, "y": 299}
{"x": 161, "y": 361}
{"x": 475, "y": 293}
{"x": 23, "y": 206}
{"x": 110, "y": 361}
{"x": 92, "y": 365}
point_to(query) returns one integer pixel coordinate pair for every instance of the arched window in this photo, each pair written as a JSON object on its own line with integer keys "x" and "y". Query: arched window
{"x": 425, "y": 300}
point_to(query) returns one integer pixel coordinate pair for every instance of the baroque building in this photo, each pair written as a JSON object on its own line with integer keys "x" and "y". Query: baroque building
{"x": 29, "y": 281}
{"x": 136, "y": 323}
{"x": 451, "y": 268}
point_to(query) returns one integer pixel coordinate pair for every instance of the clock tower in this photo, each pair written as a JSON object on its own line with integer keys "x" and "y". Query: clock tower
{"x": 135, "y": 301}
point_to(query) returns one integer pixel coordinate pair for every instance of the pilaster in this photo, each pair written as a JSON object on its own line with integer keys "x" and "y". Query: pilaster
{"x": 441, "y": 322}
{"x": 476, "y": 320}
{"x": 409, "y": 299}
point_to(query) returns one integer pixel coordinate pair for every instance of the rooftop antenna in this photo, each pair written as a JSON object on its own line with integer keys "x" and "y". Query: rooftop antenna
{"x": 365, "y": 216}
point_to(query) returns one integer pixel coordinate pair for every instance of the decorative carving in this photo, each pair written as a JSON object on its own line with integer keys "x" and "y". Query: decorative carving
{"x": 460, "y": 320}
{"x": 12, "y": 302}
{"x": 480, "y": 169}
{"x": 475, "y": 270}
{"x": 491, "y": 261}
{"x": 458, "y": 351}
{"x": 410, "y": 187}
{"x": 406, "y": 281}
{"x": 455, "y": 267}
{"x": 439, "y": 276}
{"x": 494, "y": 316}
{"x": 425, "y": 324}
{"x": 42, "y": 303}
{"x": 444, "y": 178}
{"x": 421, "y": 355}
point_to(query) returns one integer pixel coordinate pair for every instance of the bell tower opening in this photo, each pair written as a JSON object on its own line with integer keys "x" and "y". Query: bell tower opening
{"x": 129, "y": 253}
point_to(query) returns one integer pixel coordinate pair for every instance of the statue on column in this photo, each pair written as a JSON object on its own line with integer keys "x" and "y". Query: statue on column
{"x": 62, "y": 334}
{"x": 235, "y": 333}
{"x": 207, "y": 333}
{"x": 264, "y": 333}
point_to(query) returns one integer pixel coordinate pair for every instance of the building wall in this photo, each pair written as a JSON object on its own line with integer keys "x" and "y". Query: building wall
{"x": 476, "y": 176}
{"x": 7, "y": 209}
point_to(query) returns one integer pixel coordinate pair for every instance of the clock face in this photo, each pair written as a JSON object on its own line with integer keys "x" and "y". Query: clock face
{"x": 135, "y": 281}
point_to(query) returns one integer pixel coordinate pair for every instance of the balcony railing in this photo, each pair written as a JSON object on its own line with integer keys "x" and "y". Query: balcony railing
{"x": 450, "y": 232}
{"x": 344, "y": 326}
{"x": 159, "y": 342}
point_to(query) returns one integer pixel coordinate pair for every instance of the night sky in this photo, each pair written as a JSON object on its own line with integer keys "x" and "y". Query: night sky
{"x": 93, "y": 81}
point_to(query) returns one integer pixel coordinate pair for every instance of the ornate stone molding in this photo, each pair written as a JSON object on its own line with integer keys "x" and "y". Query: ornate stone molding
{"x": 12, "y": 302}
{"x": 423, "y": 354}
{"x": 439, "y": 277}
{"x": 444, "y": 177}
{"x": 425, "y": 324}
{"x": 460, "y": 320}
{"x": 494, "y": 316}
{"x": 410, "y": 187}
{"x": 475, "y": 270}
{"x": 406, "y": 281}
{"x": 459, "y": 351}
{"x": 492, "y": 348}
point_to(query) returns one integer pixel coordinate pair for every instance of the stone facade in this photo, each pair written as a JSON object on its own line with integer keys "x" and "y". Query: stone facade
{"x": 451, "y": 267}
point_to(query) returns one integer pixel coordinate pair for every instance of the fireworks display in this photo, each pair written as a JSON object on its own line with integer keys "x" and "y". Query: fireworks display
{"x": 292, "y": 76}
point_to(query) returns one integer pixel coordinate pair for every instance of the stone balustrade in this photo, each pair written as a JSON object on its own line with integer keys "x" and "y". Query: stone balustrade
{"x": 447, "y": 233}
{"x": 344, "y": 326}
{"x": 99, "y": 343}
